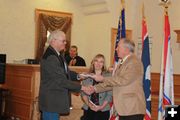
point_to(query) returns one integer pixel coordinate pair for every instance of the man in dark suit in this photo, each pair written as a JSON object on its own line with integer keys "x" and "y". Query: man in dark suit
{"x": 73, "y": 59}
{"x": 55, "y": 81}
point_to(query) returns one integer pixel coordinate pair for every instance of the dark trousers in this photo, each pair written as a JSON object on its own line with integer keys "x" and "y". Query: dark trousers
{"x": 92, "y": 115}
{"x": 132, "y": 117}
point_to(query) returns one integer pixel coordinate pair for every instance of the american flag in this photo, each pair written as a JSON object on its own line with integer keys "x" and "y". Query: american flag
{"x": 147, "y": 72}
{"x": 121, "y": 33}
{"x": 166, "y": 90}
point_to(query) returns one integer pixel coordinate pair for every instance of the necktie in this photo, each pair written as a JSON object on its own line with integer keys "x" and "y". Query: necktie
{"x": 65, "y": 65}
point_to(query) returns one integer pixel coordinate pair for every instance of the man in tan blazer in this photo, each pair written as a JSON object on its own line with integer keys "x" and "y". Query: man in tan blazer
{"x": 126, "y": 84}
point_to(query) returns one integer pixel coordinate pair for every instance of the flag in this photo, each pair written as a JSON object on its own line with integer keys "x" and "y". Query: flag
{"x": 121, "y": 33}
{"x": 116, "y": 59}
{"x": 166, "y": 90}
{"x": 147, "y": 65}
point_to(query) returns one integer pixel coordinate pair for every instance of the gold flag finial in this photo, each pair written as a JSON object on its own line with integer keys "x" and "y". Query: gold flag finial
{"x": 165, "y": 4}
{"x": 123, "y": 3}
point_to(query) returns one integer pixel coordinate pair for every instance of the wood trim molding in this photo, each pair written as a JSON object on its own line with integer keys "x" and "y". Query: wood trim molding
{"x": 178, "y": 35}
{"x": 37, "y": 22}
{"x": 52, "y": 12}
{"x": 113, "y": 38}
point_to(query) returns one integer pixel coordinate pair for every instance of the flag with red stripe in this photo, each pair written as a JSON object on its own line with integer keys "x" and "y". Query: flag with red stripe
{"x": 166, "y": 91}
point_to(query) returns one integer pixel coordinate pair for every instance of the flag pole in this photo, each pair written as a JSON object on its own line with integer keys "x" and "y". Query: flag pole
{"x": 143, "y": 20}
{"x": 161, "y": 86}
{"x": 143, "y": 15}
{"x": 165, "y": 4}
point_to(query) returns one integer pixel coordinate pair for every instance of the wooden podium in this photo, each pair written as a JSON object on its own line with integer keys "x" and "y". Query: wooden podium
{"x": 23, "y": 82}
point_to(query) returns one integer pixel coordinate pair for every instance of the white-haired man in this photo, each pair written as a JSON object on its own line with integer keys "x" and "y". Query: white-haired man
{"x": 55, "y": 81}
{"x": 126, "y": 84}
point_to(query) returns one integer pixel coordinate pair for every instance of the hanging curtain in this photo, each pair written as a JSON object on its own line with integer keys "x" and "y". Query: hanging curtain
{"x": 51, "y": 23}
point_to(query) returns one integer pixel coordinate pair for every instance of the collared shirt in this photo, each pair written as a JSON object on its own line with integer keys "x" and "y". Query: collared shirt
{"x": 124, "y": 59}
{"x": 57, "y": 52}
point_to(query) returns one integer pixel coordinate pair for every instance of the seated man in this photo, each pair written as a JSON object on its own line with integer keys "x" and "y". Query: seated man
{"x": 73, "y": 59}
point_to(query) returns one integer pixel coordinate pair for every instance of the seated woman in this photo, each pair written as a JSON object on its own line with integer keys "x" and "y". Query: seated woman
{"x": 97, "y": 105}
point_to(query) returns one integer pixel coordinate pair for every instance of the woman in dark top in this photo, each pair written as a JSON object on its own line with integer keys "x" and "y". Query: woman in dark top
{"x": 96, "y": 106}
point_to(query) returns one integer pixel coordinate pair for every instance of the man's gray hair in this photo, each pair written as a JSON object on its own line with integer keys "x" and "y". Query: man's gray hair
{"x": 129, "y": 44}
{"x": 55, "y": 35}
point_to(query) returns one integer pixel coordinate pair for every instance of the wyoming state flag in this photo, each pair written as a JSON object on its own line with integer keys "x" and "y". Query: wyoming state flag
{"x": 147, "y": 73}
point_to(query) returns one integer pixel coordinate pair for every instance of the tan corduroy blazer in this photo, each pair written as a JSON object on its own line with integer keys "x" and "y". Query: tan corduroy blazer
{"x": 127, "y": 86}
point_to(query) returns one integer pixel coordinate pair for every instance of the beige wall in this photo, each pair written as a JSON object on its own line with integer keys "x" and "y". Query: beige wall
{"x": 17, "y": 23}
{"x": 96, "y": 33}
{"x": 155, "y": 21}
{"x": 91, "y": 33}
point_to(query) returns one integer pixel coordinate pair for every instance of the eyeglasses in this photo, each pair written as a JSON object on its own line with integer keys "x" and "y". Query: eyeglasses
{"x": 63, "y": 41}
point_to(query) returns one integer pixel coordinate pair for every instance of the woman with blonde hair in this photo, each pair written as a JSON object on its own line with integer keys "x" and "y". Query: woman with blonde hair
{"x": 96, "y": 106}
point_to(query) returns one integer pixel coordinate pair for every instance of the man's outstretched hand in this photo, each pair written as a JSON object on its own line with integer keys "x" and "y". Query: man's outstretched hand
{"x": 98, "y": 78}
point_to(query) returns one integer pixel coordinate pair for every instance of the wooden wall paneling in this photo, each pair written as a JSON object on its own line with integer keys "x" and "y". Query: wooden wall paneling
{"x": 178, "y": 35}
{"x": 155, "y": 80}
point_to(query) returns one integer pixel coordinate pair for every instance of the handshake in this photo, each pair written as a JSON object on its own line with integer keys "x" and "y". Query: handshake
{"x": 88, "y": 89}
{"x": 91, "y": 89}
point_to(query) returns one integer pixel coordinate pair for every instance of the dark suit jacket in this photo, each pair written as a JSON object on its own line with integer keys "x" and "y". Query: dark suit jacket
{"x": 55, "y": 84}
{"x": 79, "y": 60}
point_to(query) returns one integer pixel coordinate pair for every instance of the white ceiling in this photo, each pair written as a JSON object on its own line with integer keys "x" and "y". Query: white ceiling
{"x": 90, "y": 7}
{"x": 92, "y": 2}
